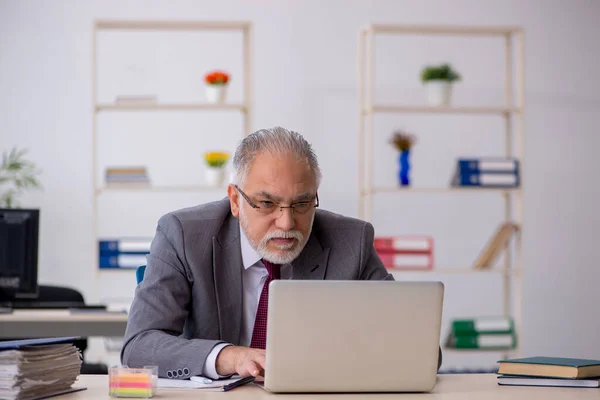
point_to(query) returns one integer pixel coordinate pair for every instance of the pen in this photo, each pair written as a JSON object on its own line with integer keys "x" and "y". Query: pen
{"x": 235, "y": 384}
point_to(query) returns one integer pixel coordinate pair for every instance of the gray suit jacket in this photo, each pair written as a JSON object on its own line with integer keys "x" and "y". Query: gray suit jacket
{"x": 191, "y": 297}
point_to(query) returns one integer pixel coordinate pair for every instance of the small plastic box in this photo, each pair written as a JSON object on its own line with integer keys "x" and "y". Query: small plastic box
{"x": 132, "y": 382}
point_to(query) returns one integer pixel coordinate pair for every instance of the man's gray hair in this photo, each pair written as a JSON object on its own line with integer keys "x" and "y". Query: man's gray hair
{"x": 276, "y": 140}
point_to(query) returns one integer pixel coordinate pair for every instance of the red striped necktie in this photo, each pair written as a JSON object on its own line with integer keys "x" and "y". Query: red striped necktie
{"x": 259, "y": 335}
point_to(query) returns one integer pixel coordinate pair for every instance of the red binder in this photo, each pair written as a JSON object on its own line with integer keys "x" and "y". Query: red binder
{"x": 405, "y": 252}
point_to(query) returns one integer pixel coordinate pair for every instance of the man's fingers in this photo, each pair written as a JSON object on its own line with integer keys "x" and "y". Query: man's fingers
{"x": 254, "y": 368}
{"x": 242, "y": 370}
{"x": 252, "y": 363}
{"x": 261, "y": 360}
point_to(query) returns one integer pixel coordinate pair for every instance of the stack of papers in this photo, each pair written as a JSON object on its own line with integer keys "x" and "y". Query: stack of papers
{"x": 32, "y": 369}
{"x": 205, "y": 384}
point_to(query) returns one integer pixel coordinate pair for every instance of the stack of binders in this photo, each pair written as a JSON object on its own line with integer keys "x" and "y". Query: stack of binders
{"x": 487, "y": 172}
{"x": 405, "y": 252}
{"x": 492, "y": 333}
{"x": 123, "y": 252}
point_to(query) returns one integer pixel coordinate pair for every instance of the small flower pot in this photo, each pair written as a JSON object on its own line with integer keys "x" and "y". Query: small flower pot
{"x": 215, "y": 176}
{"x": 439, "y": 93}
{"x": 216, "y": 93}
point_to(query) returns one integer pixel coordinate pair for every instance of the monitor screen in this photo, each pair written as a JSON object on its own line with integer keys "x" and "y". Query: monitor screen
{"x": 18, "y": 253}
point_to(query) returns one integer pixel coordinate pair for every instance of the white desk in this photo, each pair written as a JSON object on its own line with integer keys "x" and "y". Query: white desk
{"x": 449, "y": 387}
{"x": 42, "y": 323}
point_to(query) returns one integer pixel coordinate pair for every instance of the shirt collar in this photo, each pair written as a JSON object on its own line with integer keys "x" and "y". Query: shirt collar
{"x": 249, "y": 255}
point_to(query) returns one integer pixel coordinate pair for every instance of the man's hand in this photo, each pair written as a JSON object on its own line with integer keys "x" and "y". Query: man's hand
{"x": 244, "y": 361}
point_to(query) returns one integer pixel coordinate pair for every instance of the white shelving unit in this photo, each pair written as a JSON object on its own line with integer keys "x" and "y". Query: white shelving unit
{"x": 245, "y": 108}
{"x": 510, "y": 111}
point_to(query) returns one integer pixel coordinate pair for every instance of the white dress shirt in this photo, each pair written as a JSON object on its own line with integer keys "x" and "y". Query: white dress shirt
{"x": 253, "y": 279}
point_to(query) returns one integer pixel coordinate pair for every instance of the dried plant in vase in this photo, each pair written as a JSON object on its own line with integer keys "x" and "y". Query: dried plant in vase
{"x": 403, "y": 142}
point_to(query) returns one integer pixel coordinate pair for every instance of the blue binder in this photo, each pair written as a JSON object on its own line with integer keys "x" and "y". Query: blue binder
{"x": 488, "y": 165}
{"x": 125, "y": 246}
{"x": 492, "y": 172}
{"x": 122, "y": 261}
{"x": 500, "y": 180}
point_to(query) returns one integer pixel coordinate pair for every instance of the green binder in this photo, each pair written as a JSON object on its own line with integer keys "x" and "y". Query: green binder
{"x": 475, "y": 326}
{"x": 483, "y": 341}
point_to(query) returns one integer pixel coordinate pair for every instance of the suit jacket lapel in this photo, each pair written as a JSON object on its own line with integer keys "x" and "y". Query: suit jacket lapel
{"x": 312, "y": 262}
{"x": 227, "y": 273}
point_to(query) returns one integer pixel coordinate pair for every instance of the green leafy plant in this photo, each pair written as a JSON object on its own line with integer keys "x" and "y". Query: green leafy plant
{"x": 16, "y": 176}
{"x": 443, "y": 72}
{"x": 402, "y": 141}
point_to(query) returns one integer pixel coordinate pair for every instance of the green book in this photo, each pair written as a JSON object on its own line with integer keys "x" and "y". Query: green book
{"x": 473, "y": 326}
{"x": 552, "y": 367}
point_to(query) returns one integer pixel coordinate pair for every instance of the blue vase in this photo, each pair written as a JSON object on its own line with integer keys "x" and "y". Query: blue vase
{"x": 404, "y": 161}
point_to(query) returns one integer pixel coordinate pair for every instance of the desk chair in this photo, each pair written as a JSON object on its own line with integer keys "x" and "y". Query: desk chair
{"x": 139, "y": 273}
{"x": 59, "y": 294}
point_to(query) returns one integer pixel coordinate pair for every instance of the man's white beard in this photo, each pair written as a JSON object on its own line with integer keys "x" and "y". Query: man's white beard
{"x": 290, "y": 251}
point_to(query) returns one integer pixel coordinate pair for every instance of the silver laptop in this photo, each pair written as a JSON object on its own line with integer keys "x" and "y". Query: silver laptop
{"x": 353, "y": 336}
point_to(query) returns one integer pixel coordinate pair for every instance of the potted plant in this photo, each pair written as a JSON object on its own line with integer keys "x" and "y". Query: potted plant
{"x": 215, "y": 173}
{"x": 438, "y": 80}
{"x": 403, "y": 142}
{"x": 16, "y": 176}
{"x": 216, "y": 86}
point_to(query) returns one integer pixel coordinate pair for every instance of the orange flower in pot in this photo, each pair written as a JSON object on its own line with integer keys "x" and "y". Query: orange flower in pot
{"x": 216, "y": 86}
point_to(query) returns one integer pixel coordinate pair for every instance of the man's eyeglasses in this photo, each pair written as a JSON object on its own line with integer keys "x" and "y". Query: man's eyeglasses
{"x": 268, "y": 207}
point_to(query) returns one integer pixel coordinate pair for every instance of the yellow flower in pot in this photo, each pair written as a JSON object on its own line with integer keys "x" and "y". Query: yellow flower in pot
{"x": 215, "y": 173}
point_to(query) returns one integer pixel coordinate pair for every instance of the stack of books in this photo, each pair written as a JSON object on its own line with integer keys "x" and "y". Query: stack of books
{"x": 549, "y": 371}
{"x": 123, "y": 252}
{"x": 38, "y": 368}
{"x": 136, "y": 100}
{"x": 129, "y": 177}
{"x": 491, "y": 333}
{"x": 490, "y": 172}
{"x": 405, "y": 252}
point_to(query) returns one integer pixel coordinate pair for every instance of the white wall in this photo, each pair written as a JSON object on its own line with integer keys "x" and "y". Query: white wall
{"x": 306, "y": 79}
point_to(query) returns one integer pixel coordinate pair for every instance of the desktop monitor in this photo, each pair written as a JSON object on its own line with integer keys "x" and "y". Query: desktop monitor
{"x": 19, "y": 233}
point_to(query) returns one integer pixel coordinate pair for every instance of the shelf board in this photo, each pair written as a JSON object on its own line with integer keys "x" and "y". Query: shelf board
{"x": 443, "y": 30}
{"x": 173, "y": 188}
{"x": 392, "y": 271}
{"x": 456, "y": 270}
{"x": 117, "y": 270}
{"x": 484, "y": 350}
{"x": 181, "y": 25}
{"x": 439, "y": 190}
{"x": 170, "y": 107}
{"x": 441, "y": 110}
